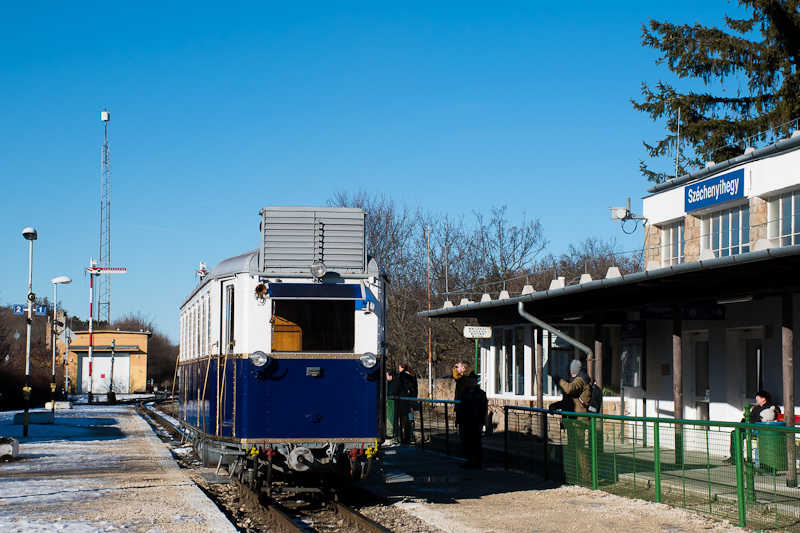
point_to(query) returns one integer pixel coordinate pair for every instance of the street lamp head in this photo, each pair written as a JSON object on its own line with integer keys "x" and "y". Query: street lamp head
{"x": 62, "y": 279}
{"x": 29, "y": 233}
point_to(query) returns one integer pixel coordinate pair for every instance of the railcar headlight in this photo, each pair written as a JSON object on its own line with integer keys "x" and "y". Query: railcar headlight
{"x": 369, "y": 360}
{"x": 318, "y": 269}
{"x": 259, "y": 358}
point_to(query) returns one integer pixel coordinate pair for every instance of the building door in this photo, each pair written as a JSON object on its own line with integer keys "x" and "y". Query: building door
{"x": 101, "y": 373}
{"x": 753, "y": 366}
{"x": 702, "y": 386}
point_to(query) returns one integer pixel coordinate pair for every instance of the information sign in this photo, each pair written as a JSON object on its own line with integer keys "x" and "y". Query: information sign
{"x": 477, "y": 332}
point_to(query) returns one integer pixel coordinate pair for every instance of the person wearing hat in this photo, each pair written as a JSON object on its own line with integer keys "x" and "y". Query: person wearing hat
{"x": 577, "y": 395}
{"x": 577, "y": 391}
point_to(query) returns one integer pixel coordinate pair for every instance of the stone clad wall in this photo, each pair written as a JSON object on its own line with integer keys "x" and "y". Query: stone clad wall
{"x": 691, "y": 235}
{"x": 652, "y": 244}
{"x": 758, "y": 219}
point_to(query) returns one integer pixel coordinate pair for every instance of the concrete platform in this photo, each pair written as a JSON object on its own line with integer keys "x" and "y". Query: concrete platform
{"x": 99, "y": 468}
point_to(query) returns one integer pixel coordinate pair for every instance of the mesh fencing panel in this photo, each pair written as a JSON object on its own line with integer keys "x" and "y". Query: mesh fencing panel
{"x": 745, "y": 473}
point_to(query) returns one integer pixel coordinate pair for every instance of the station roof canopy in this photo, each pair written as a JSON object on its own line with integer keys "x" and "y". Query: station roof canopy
{"x": 752, "y": 275}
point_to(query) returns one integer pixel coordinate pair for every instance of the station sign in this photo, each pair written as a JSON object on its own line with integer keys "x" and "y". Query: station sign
{"x": 19, "y": 309}
{"x": 477, "y": 332}
{"x": 41, "y": 310}
{"x": 714, "y": 190}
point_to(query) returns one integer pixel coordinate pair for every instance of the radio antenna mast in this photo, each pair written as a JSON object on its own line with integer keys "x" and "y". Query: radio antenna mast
{"x": 104, "y": 299}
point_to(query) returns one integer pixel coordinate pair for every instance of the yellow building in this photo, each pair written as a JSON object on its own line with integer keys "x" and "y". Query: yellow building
{"x": 118, "y": 358}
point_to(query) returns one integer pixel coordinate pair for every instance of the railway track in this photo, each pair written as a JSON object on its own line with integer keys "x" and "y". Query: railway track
{"x": 333, "y": 516}
{"x": 242, "y": 505}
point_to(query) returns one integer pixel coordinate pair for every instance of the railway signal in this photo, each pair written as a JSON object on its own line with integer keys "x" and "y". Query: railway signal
{"x": 93, "y": 271}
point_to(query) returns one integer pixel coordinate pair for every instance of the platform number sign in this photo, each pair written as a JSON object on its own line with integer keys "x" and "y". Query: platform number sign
{"x": 41, "y": 310}
{"x": 19, "y": 309}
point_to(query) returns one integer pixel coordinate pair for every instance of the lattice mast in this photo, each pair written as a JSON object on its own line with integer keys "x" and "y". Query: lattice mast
{"x": 104, "y": 283}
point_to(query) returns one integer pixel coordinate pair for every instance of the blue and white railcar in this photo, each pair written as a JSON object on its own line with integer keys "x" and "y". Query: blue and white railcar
{"x": 282, "y": 360}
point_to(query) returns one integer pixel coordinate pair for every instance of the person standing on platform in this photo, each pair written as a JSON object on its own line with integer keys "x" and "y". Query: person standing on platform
{"x": 391, "y": 393}
{"x": 460, "y": 372}
{"x": 471, "y": 418}
{"x": 406, "y": 388}
{"x": 577, "y": 396}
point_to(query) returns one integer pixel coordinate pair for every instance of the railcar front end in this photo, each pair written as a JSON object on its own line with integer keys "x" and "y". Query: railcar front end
{"x": 282, "y": 366}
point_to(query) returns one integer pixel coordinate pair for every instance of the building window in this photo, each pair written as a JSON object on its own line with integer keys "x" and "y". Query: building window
{"x": 509, "y": 351}
{"x": 498, "y": 361}
{"x": 783, "y": 213}
{"x": 560, "y": 355}
{"x": 673, "y": 240}
{"x": 727, "y": 232}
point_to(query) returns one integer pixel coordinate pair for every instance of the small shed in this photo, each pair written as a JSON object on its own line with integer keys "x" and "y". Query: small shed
{"x": 118, "y": 362}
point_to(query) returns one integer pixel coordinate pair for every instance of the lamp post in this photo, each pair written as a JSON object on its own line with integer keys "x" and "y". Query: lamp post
{"x": 31, "y": 235}
{"x": 65, "y": 280}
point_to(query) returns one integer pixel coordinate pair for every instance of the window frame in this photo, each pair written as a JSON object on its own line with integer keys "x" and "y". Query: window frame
{"x": 726, "y": 231}
{"x": 673, "y": 236}
{"x": 786, "y": 229}
{"x": 510, "y": 378}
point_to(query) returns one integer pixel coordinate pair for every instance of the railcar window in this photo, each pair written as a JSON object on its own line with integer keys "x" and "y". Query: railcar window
{"x": 315, "y": 325}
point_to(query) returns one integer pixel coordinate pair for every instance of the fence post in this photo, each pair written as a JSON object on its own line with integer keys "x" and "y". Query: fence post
{"x": 737, "y": 449}
{"x": 421, "y": 425}
{"x": 446, "y": 430}
{"x": 505, "y": 437}
{"x": 398, "y": 431}
{"x": 593, "y": 434}
{"x": 657, "y": 460}
{"x": 749, "y": 467}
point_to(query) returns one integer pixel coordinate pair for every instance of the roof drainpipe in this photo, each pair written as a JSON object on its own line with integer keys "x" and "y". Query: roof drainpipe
{"x": 554, "y": 331}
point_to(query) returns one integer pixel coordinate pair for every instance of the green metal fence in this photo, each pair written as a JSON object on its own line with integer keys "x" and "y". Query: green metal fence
{"x": 740, "y": 472}
{"x": 428, "y": 424}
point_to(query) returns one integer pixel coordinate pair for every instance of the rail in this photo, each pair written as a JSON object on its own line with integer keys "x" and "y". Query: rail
{"x": 735, "y": 471}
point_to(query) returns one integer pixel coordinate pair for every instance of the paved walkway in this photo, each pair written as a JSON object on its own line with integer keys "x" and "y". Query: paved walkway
{"x": 99, "y": 468}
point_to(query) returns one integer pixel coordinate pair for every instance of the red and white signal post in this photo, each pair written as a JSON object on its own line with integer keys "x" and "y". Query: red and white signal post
{"x": 93, "y": 271}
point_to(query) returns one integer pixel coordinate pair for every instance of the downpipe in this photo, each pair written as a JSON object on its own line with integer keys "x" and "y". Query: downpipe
{"x": 560, "y": 334}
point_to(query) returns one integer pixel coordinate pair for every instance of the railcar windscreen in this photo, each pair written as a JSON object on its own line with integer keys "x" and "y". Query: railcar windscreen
{"x": 313, "y": 326}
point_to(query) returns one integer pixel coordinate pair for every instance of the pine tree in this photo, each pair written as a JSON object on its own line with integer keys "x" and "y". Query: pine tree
{"x": 759, "y": 54}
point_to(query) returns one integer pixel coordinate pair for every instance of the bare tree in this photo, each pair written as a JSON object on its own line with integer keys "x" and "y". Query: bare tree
{"x": 594, "y": 256}
{"x": 504, "y": 248}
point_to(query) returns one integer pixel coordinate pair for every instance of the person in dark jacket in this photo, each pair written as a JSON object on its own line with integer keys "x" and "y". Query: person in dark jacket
{"x": 406, "y": 388}
{"x": 471, "y": 417}
{"x": 460, "y": 373}
{"x": 391, "y": 393}
{"x": 763, "y": 403}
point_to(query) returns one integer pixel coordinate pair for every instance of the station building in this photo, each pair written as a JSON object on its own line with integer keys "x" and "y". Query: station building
{"x": 127, "y": 349}
{"x": 709, "y": 322}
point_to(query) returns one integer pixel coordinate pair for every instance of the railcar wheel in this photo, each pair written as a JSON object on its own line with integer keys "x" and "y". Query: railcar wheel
{"x": 198, "y": 447}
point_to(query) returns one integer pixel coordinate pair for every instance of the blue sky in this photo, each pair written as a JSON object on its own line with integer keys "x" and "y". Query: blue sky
{"x": 219, "y": 110}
